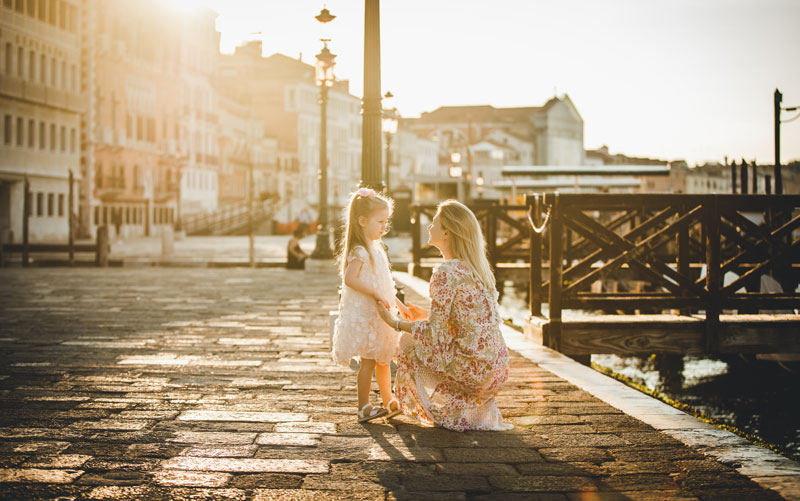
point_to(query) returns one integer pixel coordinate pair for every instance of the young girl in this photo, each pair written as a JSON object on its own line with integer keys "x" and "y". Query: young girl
{"x": 359, "y": 330}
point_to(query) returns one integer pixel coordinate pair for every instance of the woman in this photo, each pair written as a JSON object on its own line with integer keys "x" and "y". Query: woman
{"x": 453, "y": 360}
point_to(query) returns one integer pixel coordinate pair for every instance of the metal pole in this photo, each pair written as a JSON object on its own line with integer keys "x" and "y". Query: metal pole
{"x": 323, "y": 247}
{"x": 371, "y": 121}
{"x": 250, "y": 221}
{"x": 26, "y": 212}
{"x": 778, "y": 97}
{"x": 388, "y": 160}
{"x": 70, "y": 222}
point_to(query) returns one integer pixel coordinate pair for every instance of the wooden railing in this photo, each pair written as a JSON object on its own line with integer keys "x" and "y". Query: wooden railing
{"x": 680, "y": 247}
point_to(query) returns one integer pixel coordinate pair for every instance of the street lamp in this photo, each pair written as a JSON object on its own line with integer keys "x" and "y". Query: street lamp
{"x": 389, "y": 125}
{"x": 325, "y": 80}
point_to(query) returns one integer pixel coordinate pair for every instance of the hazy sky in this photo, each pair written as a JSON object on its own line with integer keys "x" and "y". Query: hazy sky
{"x": 672, "y": 79}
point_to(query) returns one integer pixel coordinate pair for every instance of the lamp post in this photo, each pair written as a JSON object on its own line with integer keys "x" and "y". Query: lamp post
{"x": 325, "y": 80}
{"x": 371, "y": 117}
{"x": 389, "y": 125}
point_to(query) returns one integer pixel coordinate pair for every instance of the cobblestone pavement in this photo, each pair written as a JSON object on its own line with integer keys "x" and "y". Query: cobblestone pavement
{"x": 162, "y": 383}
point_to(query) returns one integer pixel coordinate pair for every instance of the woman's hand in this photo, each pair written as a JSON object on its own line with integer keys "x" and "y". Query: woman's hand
{"x": 416, "y": 313}
{"x": 385, "y": 314}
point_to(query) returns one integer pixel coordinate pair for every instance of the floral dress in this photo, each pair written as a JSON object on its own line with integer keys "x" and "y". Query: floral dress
{"x": 451, "y": 371}
{"x": 359, "y": 330}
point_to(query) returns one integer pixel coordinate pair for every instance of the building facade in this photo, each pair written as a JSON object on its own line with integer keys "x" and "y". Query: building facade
{"x": 41, "y": 103}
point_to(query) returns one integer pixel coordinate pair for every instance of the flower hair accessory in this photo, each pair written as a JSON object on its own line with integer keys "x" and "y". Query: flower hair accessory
{"x": 366, "y": 192}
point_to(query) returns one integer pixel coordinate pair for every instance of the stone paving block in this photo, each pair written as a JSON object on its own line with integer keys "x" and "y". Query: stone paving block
{"x": 578, "y": 469}
{"x": 111, "y": 424}
{"x": 246, "y": 465}
{"x": 43, "y": 447}
{"x": 66, "y": 461}
{"x": 232, "y": 451}
{"x": 126, "y": 477}
{"x": 578, "y": 454}
{"x": 545, "y": 483}
{"x": 206, "y": 437}
{"x": 639, "y": 482}
{"x": 324, "y": 482}
{"x": 584, "y": 440}
{"x": 268, "y": 417}
{"x": 191, "y": 478}
{"x": 99, "y": 464}
{"x": 266, "y": 481}
{"x": 315, "y": 495}
{"x": 289, "y": 439}
{"x": 491, "y": 455}
{"x": 307, "y": 427}
{"x": 479, "y": 469}
{"x": 38, "y": 475}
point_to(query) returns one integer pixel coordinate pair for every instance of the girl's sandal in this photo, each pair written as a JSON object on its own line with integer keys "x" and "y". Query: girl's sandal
{"x": 374, "y": 413}
{"x": 392, "y": 412}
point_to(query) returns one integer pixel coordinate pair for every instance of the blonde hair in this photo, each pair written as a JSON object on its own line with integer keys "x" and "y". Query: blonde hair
{"x": 466, "y": 239}
{"x": 362, "y": 203}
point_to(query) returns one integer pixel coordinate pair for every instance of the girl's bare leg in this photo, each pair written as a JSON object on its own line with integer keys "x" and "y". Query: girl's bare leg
{"x": 383, "y": 373}
{"x": 364, "y": 381}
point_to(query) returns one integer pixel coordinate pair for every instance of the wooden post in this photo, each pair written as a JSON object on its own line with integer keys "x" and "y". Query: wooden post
{"x": 733, "y": 177}
{"x": 146, "y": 218}
{"x": 26, "y": 213}
{"x": 492, "y": 235}
{"x": 714, "y": 274}
{"x": 71, "y": 219}
{"x": 552, "y": 338}
{"x": 768, "y": 184}
{"x": 743, "y": 175}
{"x": 682, "y": 251}
{"x": 535, "y": 282}
{"x": 101, "y": 254}
{"x": 416, "y": 238}
{"x": 755, "y": 178}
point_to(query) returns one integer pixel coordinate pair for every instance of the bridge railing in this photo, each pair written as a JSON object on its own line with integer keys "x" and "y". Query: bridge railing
{"x": 693, "y": 252}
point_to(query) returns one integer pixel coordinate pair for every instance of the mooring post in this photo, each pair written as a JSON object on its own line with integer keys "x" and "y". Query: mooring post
{"x": 552, "y": 338}
{"x": 714, "y": 274}
{"x": 535, "y": 278}
{"x": 101, "y": 253}
{"x": 26, "y": 214}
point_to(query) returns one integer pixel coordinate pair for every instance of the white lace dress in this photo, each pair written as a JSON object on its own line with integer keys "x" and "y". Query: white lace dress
{"x": 359, "y": 330}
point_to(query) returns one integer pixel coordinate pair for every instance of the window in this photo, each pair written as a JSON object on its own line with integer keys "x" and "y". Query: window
{"x": 73, "y": 85}
{"x": 42, "y": 138}
{"x": 135, "y": 177}
{"x": 20, "y": 127}
{"x": 32, "y": 66}
{"x": 21, "y": 62}
{"x": 64, "y": 75}
{"x": 105, "y": 215}
{"x": 42, "y": 11}
{"x": 72, "y": 139}
{"x": 43, "y": 69}
{"x": 9, "y": 53}
{"x": 52, "y": 72}
{"x": 63, "y": 138}
{"x": 7, "y": 129}
{"x": 151, "y": 130}
{"x": 128, "y": 125}
{"x": 7, "y": 3}
{"x": 96, "y": 216}
{"x": 139, "y": 129}
{"x": 98, "y": 175}
{"x": 52, "y": 137}
{"x": 62, "y": 21}
{"x": 20, "y": 6}
{"x": 40, "y": 204}
{"x": 31, "y": 131}
{"x": 32, "y": 8}
{"x": 52, "y": 12}
{"x": 127, "y": 215}
{"x": 60, "y": 205}
{"x": 51, "y": 206}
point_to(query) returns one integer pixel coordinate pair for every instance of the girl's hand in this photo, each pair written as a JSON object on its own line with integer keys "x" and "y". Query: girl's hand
{"x": 386, "y": 316}
{"x": 416, "y": 313}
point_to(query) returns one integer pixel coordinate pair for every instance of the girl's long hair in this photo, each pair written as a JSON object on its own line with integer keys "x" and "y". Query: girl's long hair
{"x": 353, "y": 234}
{"x": 466, "y": 239}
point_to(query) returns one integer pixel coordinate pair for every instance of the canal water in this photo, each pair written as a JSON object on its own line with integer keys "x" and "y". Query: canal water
{"x": 759, "y": 397}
